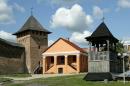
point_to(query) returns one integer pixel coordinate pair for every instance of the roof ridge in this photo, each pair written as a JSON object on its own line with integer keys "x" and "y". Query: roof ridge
{"x": 73, "y": 45}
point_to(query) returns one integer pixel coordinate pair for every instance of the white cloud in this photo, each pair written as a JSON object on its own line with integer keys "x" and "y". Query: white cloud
{"x": 73, "y": 19}
{"x": 18, "y": 7}
{"x": 126, "y": 40}
{"x": 6, "y": 12}
{"x": 50, "y": 42}
{"x": 97, "y": 12}
{"x": 7, "y": 36}
{"x": 124, "y": 3}
{"x": 79, "y": 38}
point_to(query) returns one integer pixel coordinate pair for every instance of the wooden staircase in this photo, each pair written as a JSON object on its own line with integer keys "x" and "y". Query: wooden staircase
{"x": 38, "y": 70}
{"x": 73, "y": 66}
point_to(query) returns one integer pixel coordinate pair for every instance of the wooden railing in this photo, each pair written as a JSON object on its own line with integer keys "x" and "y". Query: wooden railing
{"x": 35, "y": 68}
{"x": 100, "y": 61}
{"x": 104, "y": 55}
{"x": 50, "y": 66}
{"x": 73, "y": 65}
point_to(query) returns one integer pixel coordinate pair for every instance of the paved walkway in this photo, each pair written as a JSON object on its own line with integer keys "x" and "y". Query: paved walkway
{"x": 35, "y": 76}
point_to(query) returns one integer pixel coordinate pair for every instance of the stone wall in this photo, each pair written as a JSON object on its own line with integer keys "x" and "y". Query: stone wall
{"x": 37, "y": 45}
{"x": 11, "y": 65}
{"x": 12, "y": 58}
{"x": 25, "y": 41}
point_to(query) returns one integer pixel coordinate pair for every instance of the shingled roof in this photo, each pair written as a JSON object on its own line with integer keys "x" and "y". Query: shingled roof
{"x": 102, "y": 32}
{"x": 32, "y": 24}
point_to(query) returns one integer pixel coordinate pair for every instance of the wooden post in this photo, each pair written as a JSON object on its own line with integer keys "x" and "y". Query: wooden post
{"x": 66, "y": 63}
{"x": 55, "y": 63}
{"x": 55, "y": 60}
{"x": 114, "y": 46}
{"x": 89, "y": 55}
{"x": 89, "y": 47}
{"x": 108, "y": 45}
{"x": 66, "y": 60}
{"x": 78, "y": 62}
{"x": 44, "y": 64}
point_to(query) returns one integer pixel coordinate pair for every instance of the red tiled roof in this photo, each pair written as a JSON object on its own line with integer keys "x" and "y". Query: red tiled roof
{"x": 73, "y": 45}
{"x": 68, "y": 42}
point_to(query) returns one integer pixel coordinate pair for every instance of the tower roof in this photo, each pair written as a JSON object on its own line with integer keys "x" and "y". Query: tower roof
{"x": 32, "y": 24}
{"x": 103, "y": 32}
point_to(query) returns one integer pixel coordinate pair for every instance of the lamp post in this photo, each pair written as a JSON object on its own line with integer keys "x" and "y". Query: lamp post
{"x": 123, "y": 56}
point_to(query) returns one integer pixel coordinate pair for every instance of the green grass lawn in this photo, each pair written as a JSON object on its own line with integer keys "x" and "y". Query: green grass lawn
{"x": 4, "y": 79}
{"x": 16, "y": 75}
{"x": 74, "y": 80}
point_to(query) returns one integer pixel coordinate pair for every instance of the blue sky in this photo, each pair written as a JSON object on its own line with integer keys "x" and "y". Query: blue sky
{"x": 74, "y": 19}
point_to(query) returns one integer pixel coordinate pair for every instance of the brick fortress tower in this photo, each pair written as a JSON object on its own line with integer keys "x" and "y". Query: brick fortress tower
{"x": 35, "y": 39}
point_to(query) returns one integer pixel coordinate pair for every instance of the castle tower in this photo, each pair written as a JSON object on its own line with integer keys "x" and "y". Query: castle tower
{"x": 35, "y": 39}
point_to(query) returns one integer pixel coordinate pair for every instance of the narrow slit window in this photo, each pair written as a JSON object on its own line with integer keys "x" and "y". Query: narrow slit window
{"x": 39, "y": 47}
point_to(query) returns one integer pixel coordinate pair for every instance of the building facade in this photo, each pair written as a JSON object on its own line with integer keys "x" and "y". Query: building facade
{"x": 64, "y": 57}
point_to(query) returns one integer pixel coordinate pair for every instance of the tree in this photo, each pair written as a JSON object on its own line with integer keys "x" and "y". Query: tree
{"x": 120, "y": 47}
